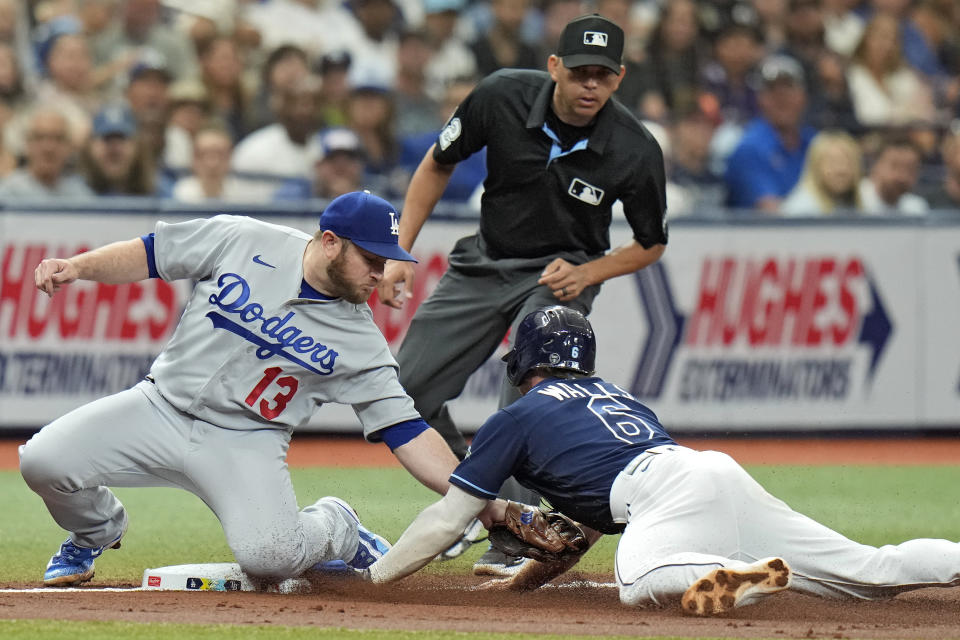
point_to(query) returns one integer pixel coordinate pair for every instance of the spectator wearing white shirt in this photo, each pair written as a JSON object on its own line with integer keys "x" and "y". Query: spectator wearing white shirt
{"x": 279, "y": 150}
{"x": 893, "y": 176}
{"x": 189, "y": 110}
{"x": 452, "y": 58}
{"x": 339, "y": 167}
{"x": 373, "y": 51}
{"x": 830, "y": 183}
{"x": 316, "y": 26}
{"x": 843, "y": 26}
{"x": 884, "y": 89}
{"x": 211, "y": 179}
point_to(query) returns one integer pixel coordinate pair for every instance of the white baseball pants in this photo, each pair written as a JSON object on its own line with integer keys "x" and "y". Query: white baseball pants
{"x": 689, "y": 512}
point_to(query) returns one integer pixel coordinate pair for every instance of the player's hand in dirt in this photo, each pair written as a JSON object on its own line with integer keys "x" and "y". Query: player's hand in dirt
{"x": 495, "y": 584}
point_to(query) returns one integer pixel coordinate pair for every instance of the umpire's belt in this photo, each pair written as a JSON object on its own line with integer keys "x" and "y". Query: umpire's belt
{"x": 621, "y": 484}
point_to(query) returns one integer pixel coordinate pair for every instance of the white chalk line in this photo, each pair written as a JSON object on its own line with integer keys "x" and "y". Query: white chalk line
{"x": 71, "y": 589}
{"x": 578, "y": 584}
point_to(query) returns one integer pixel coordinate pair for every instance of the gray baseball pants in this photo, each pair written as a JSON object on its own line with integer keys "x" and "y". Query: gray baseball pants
{"x": 137, "y": 439}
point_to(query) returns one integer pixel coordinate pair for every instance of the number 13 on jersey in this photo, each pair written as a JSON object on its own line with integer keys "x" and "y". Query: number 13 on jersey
{"x": 271, "y": 409}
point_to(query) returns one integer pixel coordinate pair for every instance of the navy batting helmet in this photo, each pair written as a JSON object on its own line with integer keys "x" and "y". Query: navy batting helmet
{"x": 557, "y": 337}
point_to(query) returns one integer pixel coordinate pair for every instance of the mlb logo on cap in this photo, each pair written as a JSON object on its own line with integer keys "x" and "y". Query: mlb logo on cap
{"x": 595, "y": 38}
{"x": 591, "y": 40}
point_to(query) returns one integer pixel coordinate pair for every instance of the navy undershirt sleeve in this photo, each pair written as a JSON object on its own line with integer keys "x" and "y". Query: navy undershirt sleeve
{"x": 401, "y": 433}
{"x": 151, "y": 258}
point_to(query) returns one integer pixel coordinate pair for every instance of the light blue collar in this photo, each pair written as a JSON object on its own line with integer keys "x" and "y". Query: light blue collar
{"x": 555, "y": 150}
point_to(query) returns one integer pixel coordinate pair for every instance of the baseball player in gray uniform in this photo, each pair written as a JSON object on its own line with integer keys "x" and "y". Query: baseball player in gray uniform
{"x": 276, "y": 326}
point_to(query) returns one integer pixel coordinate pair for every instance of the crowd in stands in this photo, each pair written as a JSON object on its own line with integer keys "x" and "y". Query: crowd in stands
{"x": 791, "y": 107}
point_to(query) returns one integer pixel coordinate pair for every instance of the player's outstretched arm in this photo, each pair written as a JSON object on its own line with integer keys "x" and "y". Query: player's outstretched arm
{"x": 431, "y": 532}
{"x": 429, "y": 459}
{"x": 116, "y": 263}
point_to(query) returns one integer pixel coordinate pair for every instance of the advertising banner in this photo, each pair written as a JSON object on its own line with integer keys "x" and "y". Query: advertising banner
{"x": 765, "y": 327}
{"x": 742, "y": 327}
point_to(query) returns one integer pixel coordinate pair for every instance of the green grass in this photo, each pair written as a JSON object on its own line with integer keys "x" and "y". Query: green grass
{"x": 874, "y": 505}
{"x": 43, "y": 629}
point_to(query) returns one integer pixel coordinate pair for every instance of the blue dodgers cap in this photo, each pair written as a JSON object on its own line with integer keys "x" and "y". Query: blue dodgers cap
{"x": 114, "y": 120}
{"x": 49, "y": 32}
{"x": 367, "y": 221}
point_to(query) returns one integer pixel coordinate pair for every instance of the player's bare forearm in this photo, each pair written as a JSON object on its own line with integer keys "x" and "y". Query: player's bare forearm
{"x": 426, "y": 186}
{"x": 626, "y": 258}
{"x": 429, "y": 459}
{"x": 435, "y": 529}
{"x": 116, "y": 263}
{"x": 567, "y": 281}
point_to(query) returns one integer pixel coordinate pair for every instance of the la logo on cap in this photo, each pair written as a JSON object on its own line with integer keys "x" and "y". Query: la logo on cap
{"x": 595, "y": 38}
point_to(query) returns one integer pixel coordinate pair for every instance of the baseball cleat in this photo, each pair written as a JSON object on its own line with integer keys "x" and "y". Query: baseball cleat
{"x": 496, "y": 563}
{"x": 724, "y": 589}
{"x": 73, "y": 565}
{"x": 371, "y": 547}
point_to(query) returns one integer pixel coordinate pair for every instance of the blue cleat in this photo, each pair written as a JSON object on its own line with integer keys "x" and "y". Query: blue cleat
{"x": 73, "y": 565}
{"x": 371, "y": 546}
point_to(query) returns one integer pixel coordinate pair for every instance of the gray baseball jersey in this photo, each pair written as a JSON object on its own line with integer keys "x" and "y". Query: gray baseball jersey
{"x": 249, "y": 361}
{"x": 249, "y": 353}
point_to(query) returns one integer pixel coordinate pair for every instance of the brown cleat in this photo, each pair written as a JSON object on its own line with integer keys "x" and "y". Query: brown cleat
{"x": 720, "y": 590}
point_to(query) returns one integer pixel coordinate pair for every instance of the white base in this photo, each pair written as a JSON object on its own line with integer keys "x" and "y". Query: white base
{"x": 216, "y": 576}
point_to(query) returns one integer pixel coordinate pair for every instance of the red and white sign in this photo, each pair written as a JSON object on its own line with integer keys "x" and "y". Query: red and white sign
{"x": 761, "y": 326}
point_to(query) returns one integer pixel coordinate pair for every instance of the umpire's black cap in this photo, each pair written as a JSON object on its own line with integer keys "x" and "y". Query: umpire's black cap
{"x": 591, "y": 39}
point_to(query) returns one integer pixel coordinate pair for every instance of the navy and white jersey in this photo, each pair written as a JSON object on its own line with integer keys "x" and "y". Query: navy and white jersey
{"x": 252, "y": 350}
{"x": 567, "y": 440}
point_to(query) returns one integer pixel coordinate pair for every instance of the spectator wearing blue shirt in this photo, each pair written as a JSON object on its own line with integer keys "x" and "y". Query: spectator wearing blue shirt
{"x": 767, "y": 162}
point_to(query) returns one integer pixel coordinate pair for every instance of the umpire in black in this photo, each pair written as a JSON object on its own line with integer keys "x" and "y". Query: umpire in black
{"x": 560, "y": 152}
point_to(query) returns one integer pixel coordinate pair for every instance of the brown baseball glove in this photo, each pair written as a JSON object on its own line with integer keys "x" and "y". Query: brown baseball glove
{"x": 531, "y": 532}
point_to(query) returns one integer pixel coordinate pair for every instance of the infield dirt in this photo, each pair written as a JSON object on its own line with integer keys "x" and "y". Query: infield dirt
{"x": 577, "y": 606}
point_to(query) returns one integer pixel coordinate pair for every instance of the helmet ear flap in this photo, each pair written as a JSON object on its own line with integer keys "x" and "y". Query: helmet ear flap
{"x": 513, "y": 367}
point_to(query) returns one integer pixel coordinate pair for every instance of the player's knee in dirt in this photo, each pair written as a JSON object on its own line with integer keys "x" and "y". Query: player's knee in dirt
{"x": 645, "y": 593}
{"x": 269, "y": 562}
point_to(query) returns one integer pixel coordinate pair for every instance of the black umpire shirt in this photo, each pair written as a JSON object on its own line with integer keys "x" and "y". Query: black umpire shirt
{"x": 544, "y": 195}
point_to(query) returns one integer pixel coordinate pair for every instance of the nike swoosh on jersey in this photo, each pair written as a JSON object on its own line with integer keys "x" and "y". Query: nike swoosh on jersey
{"x": 258, "y": 260}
